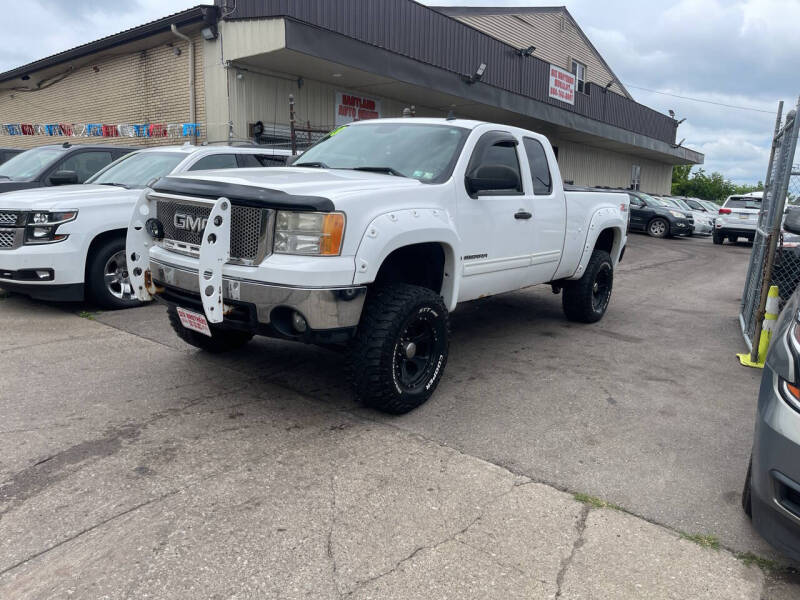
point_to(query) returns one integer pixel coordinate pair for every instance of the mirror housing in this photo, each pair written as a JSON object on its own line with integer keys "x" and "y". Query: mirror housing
{"x": 791, "y": 222}
{"x": 492, "y": 178}
{"x": 63, "y": 178}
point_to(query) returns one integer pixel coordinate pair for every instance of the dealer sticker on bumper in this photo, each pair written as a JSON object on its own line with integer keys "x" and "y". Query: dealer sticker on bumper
{"x": 194, "y": 321}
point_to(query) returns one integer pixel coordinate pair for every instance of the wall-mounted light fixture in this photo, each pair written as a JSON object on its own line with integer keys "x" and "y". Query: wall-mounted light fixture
{"x": 526, "y": 52}
{"x": 477, "y": 75}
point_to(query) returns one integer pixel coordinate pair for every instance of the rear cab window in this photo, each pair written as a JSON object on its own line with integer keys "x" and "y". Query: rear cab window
{"x": 540, "y": 170}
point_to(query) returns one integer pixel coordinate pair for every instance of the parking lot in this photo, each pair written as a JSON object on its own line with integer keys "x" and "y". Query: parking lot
{"x": 133, "y": 466}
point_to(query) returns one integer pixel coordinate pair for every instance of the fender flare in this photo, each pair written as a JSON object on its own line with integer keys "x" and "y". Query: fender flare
{"x": 392, "y": 230}
{"x": 602, "y": 219}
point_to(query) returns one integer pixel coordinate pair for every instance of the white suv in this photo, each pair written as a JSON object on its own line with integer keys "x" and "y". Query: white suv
{"x": 737, "y": 218}
{"x": 68, "y": 243}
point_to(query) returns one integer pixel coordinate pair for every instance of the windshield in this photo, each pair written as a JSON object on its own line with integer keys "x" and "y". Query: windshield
{"x": 137, "y": 169}
{"x": 670, "y": 202}
{"x": 680, "y": 202}
{"x": 27, "y": 165}
{"x": 711, "y": 206}
{"x": 652, "y": 200}
{"x": 424, "y": 152}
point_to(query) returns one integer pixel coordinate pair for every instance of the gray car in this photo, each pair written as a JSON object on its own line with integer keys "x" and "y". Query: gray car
{"x": 772, "y": 488}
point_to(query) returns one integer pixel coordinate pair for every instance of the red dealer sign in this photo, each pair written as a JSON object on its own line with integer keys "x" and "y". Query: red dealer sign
{"x": 350, "y": 107}
{"x": 562, "y": 85}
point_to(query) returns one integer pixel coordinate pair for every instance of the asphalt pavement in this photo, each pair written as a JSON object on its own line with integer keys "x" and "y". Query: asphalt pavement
{"x": 134, "y": 466}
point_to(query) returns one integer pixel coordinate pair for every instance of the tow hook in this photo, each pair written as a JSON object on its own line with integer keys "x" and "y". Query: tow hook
{"x": 149, "y": 285}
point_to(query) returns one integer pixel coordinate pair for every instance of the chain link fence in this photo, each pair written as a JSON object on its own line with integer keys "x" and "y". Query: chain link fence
{"x": 775, "y": 258}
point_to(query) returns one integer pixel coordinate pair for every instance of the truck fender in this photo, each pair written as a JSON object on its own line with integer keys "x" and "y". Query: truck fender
{"x": 390, "y": 231}
{"x": 137, "y": 248}
{"x": 602, "y": 219}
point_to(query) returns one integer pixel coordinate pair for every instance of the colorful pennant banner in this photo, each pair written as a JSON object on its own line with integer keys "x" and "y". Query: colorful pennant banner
{"x": 102, "y": 129}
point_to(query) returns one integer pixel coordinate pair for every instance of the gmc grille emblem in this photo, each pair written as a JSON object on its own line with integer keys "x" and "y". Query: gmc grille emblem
{"x": 189, "y": 223}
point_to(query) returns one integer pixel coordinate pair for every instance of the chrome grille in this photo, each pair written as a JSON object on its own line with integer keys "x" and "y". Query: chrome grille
{"x": 251, "y": 229}
{"x": 7, "y": 238}
{"x": 8, "y": 217}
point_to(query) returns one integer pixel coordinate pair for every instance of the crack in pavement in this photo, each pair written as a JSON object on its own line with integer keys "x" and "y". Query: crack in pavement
{"x": 88, "y": 530}
{"x": 358, "y": 585}
{"x": 580, "y": 528}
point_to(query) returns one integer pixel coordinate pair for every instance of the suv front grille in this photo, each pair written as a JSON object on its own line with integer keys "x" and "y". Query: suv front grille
{"x": 7, "y": 239}
{"x": 251, "y": 228}
{"x": 8, "y": 217}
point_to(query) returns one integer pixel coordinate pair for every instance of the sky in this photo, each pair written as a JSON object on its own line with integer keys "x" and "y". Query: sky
{"x": 737, "y": 52}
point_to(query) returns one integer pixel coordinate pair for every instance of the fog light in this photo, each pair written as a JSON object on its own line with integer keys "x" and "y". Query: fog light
{"x": 43, "y": 274}
{"x": 155, "y": 228}
{"x": 299, "y": 322}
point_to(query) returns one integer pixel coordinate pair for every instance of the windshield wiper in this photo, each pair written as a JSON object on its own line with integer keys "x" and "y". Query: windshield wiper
{"x": 388, "y": 170}
{"x": 122, "y": 185}
{"x": 316, "y": 165}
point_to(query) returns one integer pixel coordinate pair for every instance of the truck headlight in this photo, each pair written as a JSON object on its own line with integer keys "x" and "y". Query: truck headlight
{"x": 676, "y": 214}
{"x": 41, "y": 226}
{"x": 308, "y": 233}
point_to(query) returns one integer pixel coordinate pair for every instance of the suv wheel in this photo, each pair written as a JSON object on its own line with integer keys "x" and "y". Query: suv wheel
{"x": 400, "y": 350}
{"x": 747, "y": 497}
{"x": 658, "y": 228}
{"x": 586, "y": 299}
{"x": 717, "y": 238}
{"x": 107, "y": 276}
{"x": 221, "y": 340}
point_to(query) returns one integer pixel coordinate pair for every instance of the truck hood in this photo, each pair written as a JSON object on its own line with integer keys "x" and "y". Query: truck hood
{"x": 66, "y": 197}
{"x": 304, "y": 181}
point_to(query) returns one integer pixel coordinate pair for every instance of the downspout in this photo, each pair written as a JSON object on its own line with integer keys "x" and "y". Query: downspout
{"x": 192, "y": 110}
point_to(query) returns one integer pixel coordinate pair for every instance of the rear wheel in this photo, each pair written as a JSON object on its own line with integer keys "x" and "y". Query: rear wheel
{"x": 717, "y": 238}
{"x": 658, "y": 228}
{"x": 586, "y": 299}
{"x": 400, "y": 350}
{"x": 107, "y": 276}
{"x": 221, "y": 340}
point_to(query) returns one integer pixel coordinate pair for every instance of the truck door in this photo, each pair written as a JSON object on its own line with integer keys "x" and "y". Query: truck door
{"x": 495, "y": 221}
{"x": 549, "y": 213}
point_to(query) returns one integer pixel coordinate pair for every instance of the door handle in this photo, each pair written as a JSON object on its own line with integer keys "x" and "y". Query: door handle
{"x": 522, "y": 214}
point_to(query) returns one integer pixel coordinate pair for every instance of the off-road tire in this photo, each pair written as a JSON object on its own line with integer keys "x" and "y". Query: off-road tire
{"x": 378, "y": 364}
{"x": 656, "y": 231}
{"x": 747, "y": 496}
{"x": 97, "y": 290}
{"x": 586, "y": 299}
{"x": 221, "y": 340}
{"x": 717, "y": 239}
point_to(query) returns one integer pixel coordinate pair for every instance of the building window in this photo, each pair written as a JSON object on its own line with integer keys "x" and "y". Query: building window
{"x": 579, "y": 70}
{"x": 636, "y": 177}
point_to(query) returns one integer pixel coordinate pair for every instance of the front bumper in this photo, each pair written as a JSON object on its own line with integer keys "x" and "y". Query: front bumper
{"x": 322, "y": 308}
{"x": 776, "y": 469}
{"x": 681, "y": 227}
{"x": 64, "y": 262}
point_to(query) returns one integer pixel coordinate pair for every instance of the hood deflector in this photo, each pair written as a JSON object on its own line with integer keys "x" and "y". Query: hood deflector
{"x": 242, "y": 195}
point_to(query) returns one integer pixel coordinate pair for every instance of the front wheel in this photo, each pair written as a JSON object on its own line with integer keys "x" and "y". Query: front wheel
{"x": 107, "y": 279}
{"x": 586, "y": 299}
{"x": 658, "y": 228}
{"x": 400, "y": 350}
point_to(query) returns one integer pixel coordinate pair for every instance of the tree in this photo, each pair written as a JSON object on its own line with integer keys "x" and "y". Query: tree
{"x": 712, "y": 187}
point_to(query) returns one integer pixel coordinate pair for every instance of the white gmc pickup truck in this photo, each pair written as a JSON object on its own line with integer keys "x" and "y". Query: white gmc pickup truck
{"x": 369, "y": 240}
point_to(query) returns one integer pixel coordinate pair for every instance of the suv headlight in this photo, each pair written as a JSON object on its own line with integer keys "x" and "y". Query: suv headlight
{"x": 308, "y": 233}
{"x": 41, "y": 226}
{"x": 676, "y": 214}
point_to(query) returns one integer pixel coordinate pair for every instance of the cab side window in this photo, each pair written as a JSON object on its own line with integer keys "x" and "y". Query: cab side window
{"x": 262, "y": 160}
{"x": 493, "y": 169}
{"x": 85, "y": 164}
{"x": 540, "y": 170}
{"x": 215, "y": 161}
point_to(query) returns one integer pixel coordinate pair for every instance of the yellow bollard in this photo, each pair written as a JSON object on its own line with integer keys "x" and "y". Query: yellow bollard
{"x": 770, "y": 316}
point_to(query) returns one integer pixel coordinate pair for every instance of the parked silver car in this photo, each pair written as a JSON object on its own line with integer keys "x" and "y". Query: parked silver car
{"x": 738, "y": 217}
{"x": 771, "y": 493}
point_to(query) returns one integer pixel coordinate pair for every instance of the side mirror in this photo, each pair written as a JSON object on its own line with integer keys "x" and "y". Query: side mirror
{"x": 791, "y": 222}
{"x": 63, "y": 178}
{"x": 492, "y": 178}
